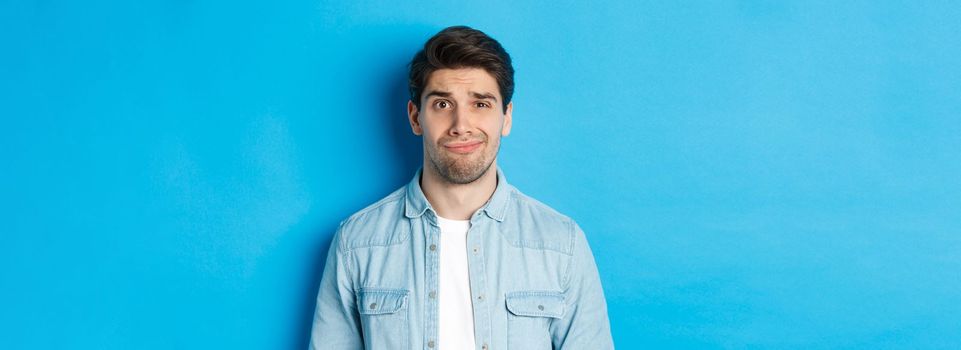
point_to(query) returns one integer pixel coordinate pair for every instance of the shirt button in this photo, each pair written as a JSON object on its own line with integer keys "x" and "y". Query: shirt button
{"x": 540, "y": 307}
{"x": 373, "y": 306}
{"x": 484, "y": 347}
{"x": 476, "y": 249}
{"x": 480, "y": 297}
{"x": 433, "y": 247}
{"x": 430, "y": 344}
{"x": 432, "y": 294}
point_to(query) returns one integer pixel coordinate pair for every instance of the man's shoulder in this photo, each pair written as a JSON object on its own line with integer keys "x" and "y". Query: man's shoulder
{"x": 528, "y": 204}
{"x": 389, "y": 205}
{"x": 378, "y": 224}
{"x": 539, "y": 226}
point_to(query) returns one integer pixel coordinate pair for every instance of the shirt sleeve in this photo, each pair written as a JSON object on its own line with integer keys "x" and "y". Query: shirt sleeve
{"x": 336, "y": 321}
{"x": 585, "y": 324}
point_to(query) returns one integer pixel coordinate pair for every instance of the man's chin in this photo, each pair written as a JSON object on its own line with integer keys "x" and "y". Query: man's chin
{"x": 465, "y": 176}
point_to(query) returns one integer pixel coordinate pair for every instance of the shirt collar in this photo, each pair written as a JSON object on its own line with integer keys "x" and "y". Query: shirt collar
{"x": 496, "y": 207}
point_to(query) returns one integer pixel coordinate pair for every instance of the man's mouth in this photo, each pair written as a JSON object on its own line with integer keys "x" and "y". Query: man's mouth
{"x": 463, "y": 147}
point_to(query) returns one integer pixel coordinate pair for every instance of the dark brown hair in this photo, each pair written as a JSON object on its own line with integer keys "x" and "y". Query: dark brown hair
{"x": 461, "y": 47}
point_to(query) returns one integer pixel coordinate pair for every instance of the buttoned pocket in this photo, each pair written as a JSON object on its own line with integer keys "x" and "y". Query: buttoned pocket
{"x": 383, "y": 316}
{"x": 529, "y": 318}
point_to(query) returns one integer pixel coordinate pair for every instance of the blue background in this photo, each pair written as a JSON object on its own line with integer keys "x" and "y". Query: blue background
{"x": 751, "y": 174}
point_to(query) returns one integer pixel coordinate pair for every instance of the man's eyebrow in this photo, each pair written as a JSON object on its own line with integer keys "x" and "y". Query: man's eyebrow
{"x": 437, "y": 93}
{"x": 484, "y": 95}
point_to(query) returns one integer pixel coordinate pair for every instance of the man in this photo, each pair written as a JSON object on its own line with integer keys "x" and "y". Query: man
{"x": 458, "y": 258}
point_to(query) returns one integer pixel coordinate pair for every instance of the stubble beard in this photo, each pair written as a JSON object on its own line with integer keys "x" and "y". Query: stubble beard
{"x": 462, "y": 170}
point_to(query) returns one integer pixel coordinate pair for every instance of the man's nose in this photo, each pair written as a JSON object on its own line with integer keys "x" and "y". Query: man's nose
{"x": 461, "y": 123}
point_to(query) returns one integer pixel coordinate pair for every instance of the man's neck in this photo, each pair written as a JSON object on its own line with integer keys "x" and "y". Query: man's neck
{"x": 454, "y": 201}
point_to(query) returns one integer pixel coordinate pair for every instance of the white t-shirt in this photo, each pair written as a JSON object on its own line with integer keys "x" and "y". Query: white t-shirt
{"x": 456, "y": 321}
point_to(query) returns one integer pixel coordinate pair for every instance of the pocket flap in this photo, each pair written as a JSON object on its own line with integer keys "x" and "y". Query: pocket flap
{"x": 536, "y": 304}
{"x": 381, "y": 301}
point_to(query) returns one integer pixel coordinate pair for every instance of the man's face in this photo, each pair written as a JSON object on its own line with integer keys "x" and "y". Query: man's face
{"x": 462, "y": 121}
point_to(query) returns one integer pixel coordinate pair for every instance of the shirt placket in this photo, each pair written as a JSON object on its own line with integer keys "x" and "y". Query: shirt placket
{"x": 433, "y": 262}
{"x": 477, "y": 271}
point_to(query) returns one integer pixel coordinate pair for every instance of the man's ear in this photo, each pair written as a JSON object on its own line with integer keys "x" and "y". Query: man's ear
{"x": 412, "y": 117}
{"x": 506, "y": 130}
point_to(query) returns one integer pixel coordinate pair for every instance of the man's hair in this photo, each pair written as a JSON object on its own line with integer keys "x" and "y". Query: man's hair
{"x": 461, "y": 47}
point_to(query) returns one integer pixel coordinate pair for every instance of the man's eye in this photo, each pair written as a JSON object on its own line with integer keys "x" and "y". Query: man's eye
{"x": 442, "y": 104}
{"x": 482, "y": 105}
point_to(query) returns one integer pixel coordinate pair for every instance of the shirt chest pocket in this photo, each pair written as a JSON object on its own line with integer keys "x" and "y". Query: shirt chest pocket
{"x": 529, "y": 318}
{"x": 383, "y": 316}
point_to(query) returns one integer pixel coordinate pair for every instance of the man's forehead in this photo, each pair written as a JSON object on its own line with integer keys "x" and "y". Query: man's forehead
{"x": 468, "y": 80}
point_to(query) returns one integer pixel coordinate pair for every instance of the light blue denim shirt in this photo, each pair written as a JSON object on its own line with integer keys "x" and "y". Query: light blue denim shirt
{"x": 534, "y": 283}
